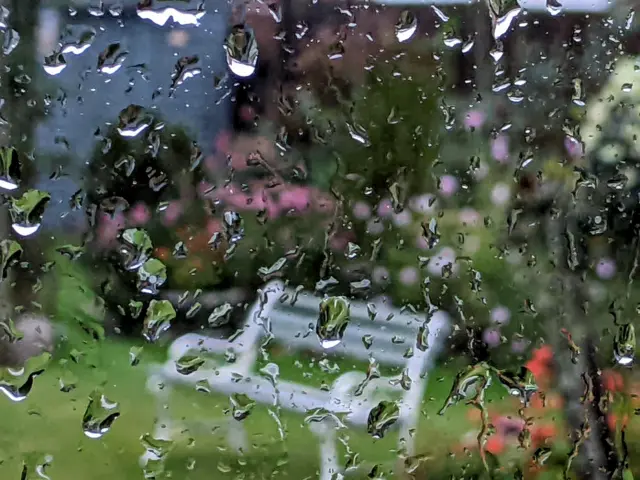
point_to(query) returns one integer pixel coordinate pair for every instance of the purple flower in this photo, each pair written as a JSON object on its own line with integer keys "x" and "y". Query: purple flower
{"x": 491, "y": 336}
{"x": 519, "y": 346}
{"x": 500, "y": 148}
{"x": 375, "y": 226}
{"x": 446, "y": 256}
{"x": 380, "y": 275}
{"x": 500, "y": 194}
{"x": 448, "y": 185}
{"x": 500, "y": 315}
{"x": 401, "y": 219}
{"x": 474, "y": 119}
{"x": 424, "y": 203}
{"x": 573, "y": 147}
{"x": 606, "y": 268}
{"x": 409, "y": 276}
{"x": 361, "y": 210}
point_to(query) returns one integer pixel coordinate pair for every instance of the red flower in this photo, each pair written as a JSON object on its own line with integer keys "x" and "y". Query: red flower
{"x": 541, "y": 364}
{"x": 542, "y": 433}
{"x": 495, "y": 445}
{"x": 612, "y": 381}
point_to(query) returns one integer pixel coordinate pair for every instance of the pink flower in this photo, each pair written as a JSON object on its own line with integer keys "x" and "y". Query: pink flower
{"x": 222, "y": 142}
{"x": 361, "y": 210}
{"x": 172, "y": 213}
{"x": 108, "y": 228}
{"x": 448, "y": 185}
{"x": 491, "y": 337}
{"x": 445, "y": 258}
{"x": 322, "y": 202}
{"x": 296, "y": 198}
{"x": 409, "y": 276}
{"x": 213, "y": 226}
{"x": 469, "y": 217}
{"x": 500, "y": 148}
{"x": 385, "y": 208}
{"x": 474, "y": 119}
{"x": 139, "y": 214}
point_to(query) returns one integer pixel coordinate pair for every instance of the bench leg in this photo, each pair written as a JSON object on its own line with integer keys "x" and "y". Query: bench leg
{"x": 237, "y": 436}
{"x": 163, "y": 425}
{"x": 329, "y": 467}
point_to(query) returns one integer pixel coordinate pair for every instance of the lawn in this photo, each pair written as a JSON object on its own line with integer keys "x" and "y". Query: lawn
{"x": 49, "y": 423}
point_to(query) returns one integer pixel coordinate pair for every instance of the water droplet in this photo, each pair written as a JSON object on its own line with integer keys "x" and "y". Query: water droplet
{"x": 185, "y": 68}
{"x": 134, "y": 355}
{"x": 382, "y": 417}
{"x": 241, "y": 49}
{"x": 157, "y": 450}
{"x": 27, "y": 212}
{"x": 233, "y": 226}
{"x": 99, "y": 415}
{"x": 332, "y": 322}
{"x": 469, "y": 384}
{"x": 241, "y": 406}
{"x": 187, "y": 364}
{"x": 406, "y": 26}
{"x": 158, "y": 319}
{"x": 152, "y": 274}
{"x": 16, "y": 383}
{"x": 503, "y": 13}
{"x": 76, "y": 39}
{"x": 10, "y": 252}
{"x": 422, "y": 342}
{"x": 221, "y": 315}
{"x": 182, "y": 12}
{"x": 11, "y": 41}
{"x": 54, "y": 63}
{"x": 367, "y": 341}
{"x": 134, "y": 120}
{"x": 111, "y": 59}
{"x": 624, "y": 345}
{"x": 137, "y": 248}
{"x": 554, "y": 7}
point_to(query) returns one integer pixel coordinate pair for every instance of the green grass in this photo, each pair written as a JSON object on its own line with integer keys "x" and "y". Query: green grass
{"x": 49, "y": 422}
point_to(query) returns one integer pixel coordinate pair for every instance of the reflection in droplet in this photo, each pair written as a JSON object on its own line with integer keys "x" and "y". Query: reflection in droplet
{"x": 241, "y": 49}
{"x": 137, "y": 248}
{"x": 185, "y": 68}
{"x": 241, "y": 406}
{"x": 624, "y": 345}
{"x": 16, "y": 384}
{"x": 10, "y": 168}
{"x": 152, "y": 274}
{"x": 54, "y": 63}
{"x": 183, "y": 12}
{"x": 99, "y": 415}
{"x": 111, "y": 59}
{"x": 134, "y": 120}
{"x": 382, "y": 417}
{"x": 158, "y": 319}
{"x": 406, "y": 26}
{"x": 27, "y": 212}
{"x": 332, "y": 321}
{"x": 77, "y": 39}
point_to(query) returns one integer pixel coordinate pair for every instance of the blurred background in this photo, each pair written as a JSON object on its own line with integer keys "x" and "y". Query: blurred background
{"x": 479, "y": 158}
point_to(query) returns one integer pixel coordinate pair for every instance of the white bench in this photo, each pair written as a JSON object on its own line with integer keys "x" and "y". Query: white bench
{"x": 293, "y": 328}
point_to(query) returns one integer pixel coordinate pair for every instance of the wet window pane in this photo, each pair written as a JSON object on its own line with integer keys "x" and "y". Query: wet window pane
{"x": 251, "y": 239}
